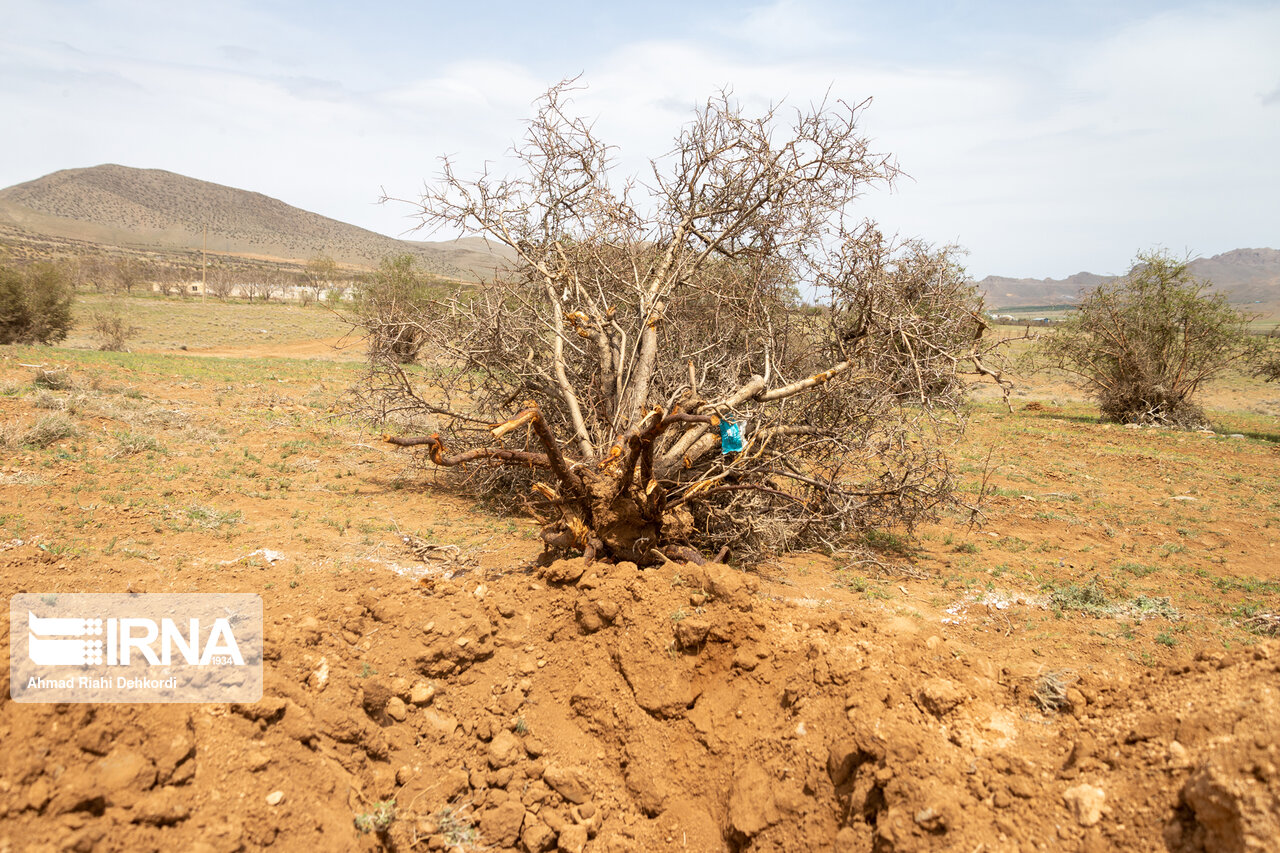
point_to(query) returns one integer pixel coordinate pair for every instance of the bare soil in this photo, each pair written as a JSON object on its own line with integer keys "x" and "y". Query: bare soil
{"x": 1084, "y": 670}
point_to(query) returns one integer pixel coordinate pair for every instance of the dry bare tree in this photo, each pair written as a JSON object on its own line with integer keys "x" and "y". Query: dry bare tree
{"x": 646, "y": 371}
{"x": 261, "y": 283}
{"x": 318, "y": 275}
{"x": 220, "y": 280}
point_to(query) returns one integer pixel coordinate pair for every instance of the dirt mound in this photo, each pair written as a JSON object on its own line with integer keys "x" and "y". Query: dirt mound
{"x": 607, "y": 708}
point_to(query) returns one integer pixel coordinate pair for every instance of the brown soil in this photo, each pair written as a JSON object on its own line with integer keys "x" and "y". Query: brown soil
{"x": 802, "y": 705}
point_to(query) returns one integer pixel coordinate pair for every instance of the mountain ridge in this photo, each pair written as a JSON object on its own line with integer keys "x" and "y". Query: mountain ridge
{"x": 158, "y": 209}
{"x": 1245, "y": 275}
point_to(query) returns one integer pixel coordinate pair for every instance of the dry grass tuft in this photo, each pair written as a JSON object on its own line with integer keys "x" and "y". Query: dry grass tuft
{"x": 1051, "y": 690}
{"x": 44, "y": 432}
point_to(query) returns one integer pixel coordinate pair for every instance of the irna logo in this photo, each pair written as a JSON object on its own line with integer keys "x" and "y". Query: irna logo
{"x": 56, "y": 641}
{"x": 162, "y": 647}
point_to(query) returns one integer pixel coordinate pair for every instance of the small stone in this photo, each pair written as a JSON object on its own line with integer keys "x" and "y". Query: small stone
{"x": 422, "y": 693}
{"x": 536, "y": 836}
{"x": 692, "y": 633}
{"x": 506, "y": 610}
{"x": 441, "y": 725}
{"x": 504, "y": 750}
{"x": 568, "y": 783}
{"x": 588, "y": 616}
{"x": 939, "y": 696}
{"x": 573, "y": 839}
{"x": 164, "y": 807}
{"x": 1179, "y": 758}
{"x": 38, "y": 794}
{"x": 566, "y": 571}
{"x": 375, "y": 695}
{"x": 257, "y": 759}
{"x": 275, "y": 798}
{"x": 501, "y": 825}
{"x": 400, "y": 687}
{"x": 124, "y": 769}
{"x": 396, "y": 709}
{"x": 1021, "y": 786}
{"x": 309, "y": 628}
{"x": 404, "y": 775}
{"x": 452, "y": 785}
{"x": 1085, "y": 802}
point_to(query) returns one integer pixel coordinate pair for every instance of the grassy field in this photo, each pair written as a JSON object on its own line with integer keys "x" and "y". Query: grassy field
{"x": 167, "y": 324}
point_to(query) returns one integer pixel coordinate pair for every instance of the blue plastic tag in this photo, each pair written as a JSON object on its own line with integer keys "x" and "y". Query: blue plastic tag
{"x": 730, "y": 437}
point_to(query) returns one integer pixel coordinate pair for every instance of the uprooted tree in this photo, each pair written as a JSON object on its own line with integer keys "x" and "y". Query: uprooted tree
{"x": 646, "y": 375}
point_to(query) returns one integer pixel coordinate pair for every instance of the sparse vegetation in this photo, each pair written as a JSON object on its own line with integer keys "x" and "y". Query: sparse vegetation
{"x": 457, "y": 825}
{"x": 46, "y": 431}
{"x": 113, "y": 329}
{"x": 1050, "y": 692}
{"x": 1088, "y": 598}
{"x": 377, "y": 820}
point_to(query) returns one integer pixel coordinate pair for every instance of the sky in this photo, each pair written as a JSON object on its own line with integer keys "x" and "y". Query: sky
{"x": 1044, "y": 138}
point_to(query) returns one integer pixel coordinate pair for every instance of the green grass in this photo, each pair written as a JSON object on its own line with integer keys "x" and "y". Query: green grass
{"x": 1089, "y": 598}
{"x": 1138, "y": 570}
{"x": 208, "y": 518}
{"x": 379, "y": 819}
{"x": 172, "y": 323}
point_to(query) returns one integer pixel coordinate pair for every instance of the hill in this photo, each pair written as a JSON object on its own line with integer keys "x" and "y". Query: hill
{"x": 1246, "y": 275}
{"x": 155, "y": 209}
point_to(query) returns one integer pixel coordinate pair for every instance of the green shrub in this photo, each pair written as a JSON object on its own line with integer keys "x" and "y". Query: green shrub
{"x": 35, "y": 305}
{"x": 1143, "y": 346}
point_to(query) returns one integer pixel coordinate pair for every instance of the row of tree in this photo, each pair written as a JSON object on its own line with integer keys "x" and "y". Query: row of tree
{"x": 222, "y": 277}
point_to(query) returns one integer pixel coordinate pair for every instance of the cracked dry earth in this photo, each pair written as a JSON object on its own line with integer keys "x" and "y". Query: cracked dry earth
{"x": 573, "y": 707}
